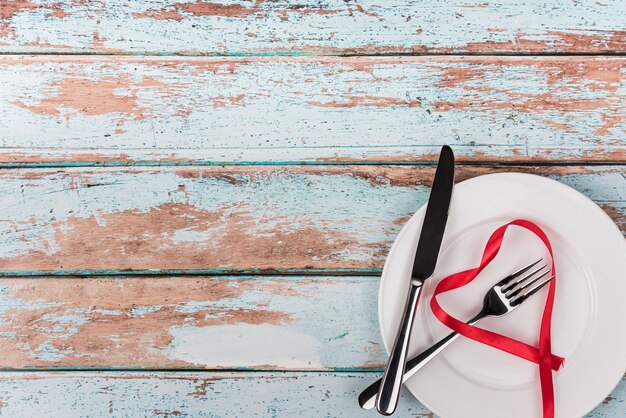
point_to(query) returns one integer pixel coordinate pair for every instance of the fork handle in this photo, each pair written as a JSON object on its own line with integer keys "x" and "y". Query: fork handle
{"x": 367, "y": 398}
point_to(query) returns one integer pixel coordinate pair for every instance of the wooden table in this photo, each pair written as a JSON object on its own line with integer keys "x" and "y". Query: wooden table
{"x": 198, "y": 197}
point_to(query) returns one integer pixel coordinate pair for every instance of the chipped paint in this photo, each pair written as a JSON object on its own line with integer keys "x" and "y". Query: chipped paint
{"x": 200, "y": 110}
{"x": 376, "y": 101}
{"x": 194, "y": 394}
{"x": 558, "y": 41}
{"x": 191, "y": 322}
{"x": 331, "y": 27}
{"x": 264, "y": 112}
{"x": 204, "y": 8}
{"x": 245, "y": 345}
{"x": 242, "y": 220}
{"x": 183, "y": 11}
{"x": 207, "y": 394}
{"x": 8, "y": 10}
{"x": 74, "y": 96}
{"x": 602, "y": 77}
{"x": 269, "y": 218}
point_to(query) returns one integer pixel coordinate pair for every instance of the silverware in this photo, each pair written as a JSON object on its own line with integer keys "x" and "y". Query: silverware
{"x": 424, "y": 263}
{"x": 501, "y": 299}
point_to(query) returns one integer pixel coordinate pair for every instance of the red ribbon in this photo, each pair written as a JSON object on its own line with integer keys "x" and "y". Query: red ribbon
{"x": 541, "y": 355}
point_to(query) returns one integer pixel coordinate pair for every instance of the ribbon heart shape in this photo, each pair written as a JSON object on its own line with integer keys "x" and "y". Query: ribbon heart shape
{"x": 541, "y": 355}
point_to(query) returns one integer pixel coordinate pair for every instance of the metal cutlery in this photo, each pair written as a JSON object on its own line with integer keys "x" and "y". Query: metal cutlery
{"x": 502, "y": 298}
{"x": 424, "y": 263}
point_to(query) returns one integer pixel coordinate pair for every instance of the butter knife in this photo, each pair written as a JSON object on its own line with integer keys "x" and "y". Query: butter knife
{"x": 424, "y": 264}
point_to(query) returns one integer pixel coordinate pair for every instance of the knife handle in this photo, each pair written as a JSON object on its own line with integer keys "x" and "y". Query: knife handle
{"x": 389, "y": 390}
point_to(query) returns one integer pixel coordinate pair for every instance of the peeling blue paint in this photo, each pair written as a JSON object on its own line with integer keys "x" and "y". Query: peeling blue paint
{"x": 208, "y": 394}
{"x": 143, "y": 310}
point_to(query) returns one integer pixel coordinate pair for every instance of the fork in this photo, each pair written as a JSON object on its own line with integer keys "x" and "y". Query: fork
{"x": 502, "y": 298}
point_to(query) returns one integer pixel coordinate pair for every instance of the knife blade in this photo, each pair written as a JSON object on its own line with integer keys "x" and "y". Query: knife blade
{"x": 424, "y": 263}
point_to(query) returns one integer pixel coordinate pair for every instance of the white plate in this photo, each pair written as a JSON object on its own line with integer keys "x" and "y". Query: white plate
{"x": 469, "y": 379}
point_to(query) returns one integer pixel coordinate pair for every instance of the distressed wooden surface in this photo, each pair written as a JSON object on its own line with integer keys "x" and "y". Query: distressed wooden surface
{"x": 125, "y": 110}
{"x": 328, "y": 150}
{"x": 209, "y": 394}
{"x": 267, "y": 323}
{"x": 310, "y": 27}
{"x": 225, "y": 219}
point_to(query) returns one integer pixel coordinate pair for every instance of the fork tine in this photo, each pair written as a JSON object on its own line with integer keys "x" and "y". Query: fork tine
{"x": 509, "y": 284}
{"x": 521, "y": 271}
{"x": 526, "y": 282}
{"x": 521, "y": 298}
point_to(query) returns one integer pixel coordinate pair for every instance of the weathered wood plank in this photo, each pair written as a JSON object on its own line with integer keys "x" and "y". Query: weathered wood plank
{"x": 310, "y": 27}
{"x": 124, "y": 110}
{"x": 209, "y": 394}
{"x": 225, "y": 219}
{"x": 269, "y": 323}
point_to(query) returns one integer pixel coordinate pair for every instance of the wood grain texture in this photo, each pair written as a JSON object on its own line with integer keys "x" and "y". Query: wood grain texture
{"x": 267, "y": 323}
{"x": 291, "y": 95}
{"x": 310, "y": 27}
{"x": 209, "y": 394}
{"x": 229, "y": 219}
{"x": 124, "y": 110}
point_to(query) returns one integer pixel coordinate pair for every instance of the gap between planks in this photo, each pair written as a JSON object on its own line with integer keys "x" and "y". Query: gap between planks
{"x": 209, "y": 273}
{"x": 303, "y": 53}
{"x": 71, "y": 369}
{"x": 459, "y": 162}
